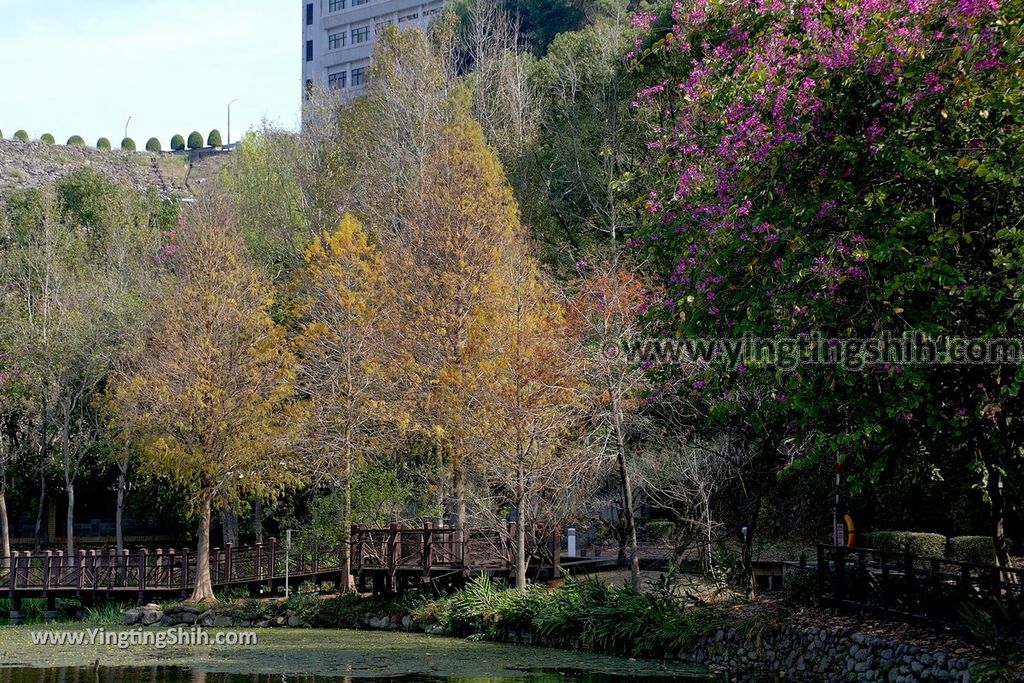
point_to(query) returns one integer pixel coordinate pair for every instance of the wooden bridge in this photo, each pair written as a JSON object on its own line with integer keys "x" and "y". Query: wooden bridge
{"x": 382, "y": 559}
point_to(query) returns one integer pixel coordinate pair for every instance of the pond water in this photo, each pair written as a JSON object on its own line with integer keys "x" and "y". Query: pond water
{"x": 169, "y": 674}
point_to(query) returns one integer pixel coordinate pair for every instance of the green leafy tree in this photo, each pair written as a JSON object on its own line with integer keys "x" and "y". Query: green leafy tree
{"x": 177, "y": 143}
{"x": 128, "y": 145}
{"x": 76, "y": 141}
{"x": 214, "y": 139}
{"x": 103, "y": 143}
{"x": 195, "y": 140}
{"x": 21, "y": 136}
{"x": 153, "y": 145}
{"x": 47, "y": 139}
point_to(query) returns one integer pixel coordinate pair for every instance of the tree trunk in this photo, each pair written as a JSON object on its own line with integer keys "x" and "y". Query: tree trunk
{"x": 346, "y": 529}
{"x": 257, "y": 520}
{"x": 5, "y": 530}
{"x": 69, "y": 546}
{"x": 229, "y": 527}
{"x": 628, "y": 514}
{"x": 997, "y": 511}
{"x": 122, "y": 485}
{"x": 40, "y": 531}
{"x": 748, "y": 548}
{"x": 459, "y": 484}
{"x": 439, "y": 493}
{"x": 44, "y": 454}
{"x": 203, "y": 591}
{"x": 521, "y": 532}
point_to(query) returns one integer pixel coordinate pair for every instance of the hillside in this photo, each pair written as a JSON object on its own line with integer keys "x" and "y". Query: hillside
{"x": 26, "y": 165}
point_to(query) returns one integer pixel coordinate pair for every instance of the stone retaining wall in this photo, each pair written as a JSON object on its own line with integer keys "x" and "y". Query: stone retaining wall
{"x": 820, "y": 654}
{"x": 793, "y": 651}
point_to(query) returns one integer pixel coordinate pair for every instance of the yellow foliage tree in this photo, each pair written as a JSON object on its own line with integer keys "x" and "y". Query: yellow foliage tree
{"x": 447, "y": 279}
{"x": 210, "y": 401}
{"x": 341, "y": 347}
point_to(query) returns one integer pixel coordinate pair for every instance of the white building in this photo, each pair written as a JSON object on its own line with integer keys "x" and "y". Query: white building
{"x": 338, "y": 36}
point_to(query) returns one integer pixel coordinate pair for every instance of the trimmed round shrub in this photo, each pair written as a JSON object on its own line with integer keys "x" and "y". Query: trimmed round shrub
{"x": 21, "y": 136}
{"x": 128, "y": 145}
{"x": 1, "y": 135}
{"x": 195, "y": 140}
{"x": 76, "y": 141}
{"x": 153, "y": 145}
{"x": 903, "y": 542}
{"x": 214, "y": 139}
{"x": 177, "y": 143}
{"x": 47, "y": 139}
{"x": 103, "y": 143}
{"x": 976, "y": 549}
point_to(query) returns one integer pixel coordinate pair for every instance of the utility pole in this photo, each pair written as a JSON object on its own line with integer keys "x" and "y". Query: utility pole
{"x": 126, "y": 126}
{"x": 229, "y": 119}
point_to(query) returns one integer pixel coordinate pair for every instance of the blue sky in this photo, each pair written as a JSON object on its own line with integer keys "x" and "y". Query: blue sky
{"x": 84, "y": 66}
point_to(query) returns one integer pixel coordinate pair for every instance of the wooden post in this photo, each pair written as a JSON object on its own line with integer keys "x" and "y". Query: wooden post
{"x": 257, "y": 561}
{"x": 143, "y": 561}
{"x": 47, "y": 556}
{"x": 910, "y": 580}
{"x": 510, "y": 549}
{"x": 428, "y": 547}
{"x": 392, "y": 548}
{"x": 556, "y": 553}
{"x": 184, "y": 572}
{"x": 822, "y": 571}
{"x": 359, "y": 546}
{"x": 94, "y": 575}
{"x": 228, "y": 558}
{"x": 13, "y": 576}
{"x": 81, "y": 570}
{"x": 124, "y": 561}
{"x": 271, "y": 568}
{"x": 170, "y": 564}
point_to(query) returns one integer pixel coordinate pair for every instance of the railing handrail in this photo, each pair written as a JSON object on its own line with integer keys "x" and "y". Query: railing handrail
{"x": 893, "y": 553}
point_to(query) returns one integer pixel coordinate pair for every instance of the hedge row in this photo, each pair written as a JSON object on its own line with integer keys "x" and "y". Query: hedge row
{"x": 195, "y": 141}
{"x": 976, "y": 549}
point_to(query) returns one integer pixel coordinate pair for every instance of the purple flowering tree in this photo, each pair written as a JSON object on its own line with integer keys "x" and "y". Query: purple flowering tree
{"x": 834, "y": 170}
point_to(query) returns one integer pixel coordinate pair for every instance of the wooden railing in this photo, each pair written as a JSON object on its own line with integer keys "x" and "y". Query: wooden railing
{"x": 904, "y": 585}
{"x": 429, "y": 548}
{"x": 392, "y": 550}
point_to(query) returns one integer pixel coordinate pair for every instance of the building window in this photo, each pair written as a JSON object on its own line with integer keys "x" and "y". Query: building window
{"x": 380, "y": 26}
{"x": 359, "y": 77}
{"x": 336, "y": 40}
{"x": 309, "y": 50}
{"x": 336, "y": 5}
{"x": 309, "y": 14}
{"x": 309, "y": 88}
{"x": 356, "y": 3}
{"x": 338, "y": 80}
{"x": 360, "y": 35}
{"x": 409, "y": 17}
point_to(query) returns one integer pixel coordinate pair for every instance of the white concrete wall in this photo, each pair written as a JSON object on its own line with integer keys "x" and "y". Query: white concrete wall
{"x": 373, "y": 15}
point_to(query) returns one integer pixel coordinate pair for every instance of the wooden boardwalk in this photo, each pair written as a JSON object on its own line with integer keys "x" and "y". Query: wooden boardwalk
{"x": 389, "y": 559}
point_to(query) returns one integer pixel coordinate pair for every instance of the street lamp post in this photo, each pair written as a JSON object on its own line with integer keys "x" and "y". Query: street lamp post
{"x": 229, "y": 120}
{"x": 126, "y": 126}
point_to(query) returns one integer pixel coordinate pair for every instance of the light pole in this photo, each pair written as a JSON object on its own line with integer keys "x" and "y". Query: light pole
{"x": 126, "y": 126}
{"x": 229, "y": 120}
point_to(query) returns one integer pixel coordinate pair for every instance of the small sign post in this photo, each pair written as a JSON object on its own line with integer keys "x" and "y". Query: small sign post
{"x": 287, "y": 559}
